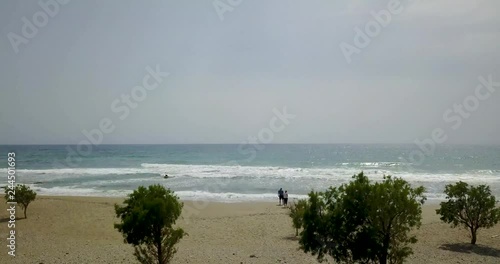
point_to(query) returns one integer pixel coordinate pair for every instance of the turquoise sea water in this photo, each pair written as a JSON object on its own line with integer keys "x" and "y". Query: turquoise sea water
{"x": 236, "y": 173}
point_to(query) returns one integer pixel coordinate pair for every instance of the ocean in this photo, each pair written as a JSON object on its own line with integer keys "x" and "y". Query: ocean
{"x": 232, "y": 173}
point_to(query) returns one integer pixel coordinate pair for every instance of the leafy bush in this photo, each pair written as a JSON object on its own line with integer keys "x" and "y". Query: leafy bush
{"x": 22, "y": 195}
{"x": 147, "y": 220}
{"x": 469, "y": 206}
{"x": 297, "y": 214}
{"x": 363, "y": 222}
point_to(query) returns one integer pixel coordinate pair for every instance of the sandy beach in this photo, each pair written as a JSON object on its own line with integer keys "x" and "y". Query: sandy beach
{"x": 80, "y": 230}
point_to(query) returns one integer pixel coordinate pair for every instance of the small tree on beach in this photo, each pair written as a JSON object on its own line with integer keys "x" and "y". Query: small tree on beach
{"x": 469, "y": 206}
{"x": 147, "y": 220}
{"x": 297, "y": 214}
{"x": 22, "y": 195}
{"x": 363, "y": 222}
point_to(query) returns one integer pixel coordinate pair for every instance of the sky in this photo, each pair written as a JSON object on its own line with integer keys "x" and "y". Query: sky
{"x": 225, "y": 71}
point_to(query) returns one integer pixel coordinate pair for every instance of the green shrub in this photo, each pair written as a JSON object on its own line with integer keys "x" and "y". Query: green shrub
{"x": 22, "y": 195}
{"x": 147, "y": 220}
{"x": 297, "y": 214}
{"x": 470, "y": 207}
{"x": 363, "y": 222}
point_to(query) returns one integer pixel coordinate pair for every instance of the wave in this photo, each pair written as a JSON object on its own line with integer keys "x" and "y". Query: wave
{"x": 85, "y": 171}
{"x": 220, "y": 171}
{"x": 341, "y": 173}
{"x": 190, "y": 195}
{"x": 373, "y": 164}
{"x": 230, "y": 196}
{"x": 184, "y": 195}
{"x": 78, "y": 191}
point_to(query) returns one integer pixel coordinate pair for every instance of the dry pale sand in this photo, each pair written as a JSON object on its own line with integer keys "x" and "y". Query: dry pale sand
{"x": 80, "y": 230}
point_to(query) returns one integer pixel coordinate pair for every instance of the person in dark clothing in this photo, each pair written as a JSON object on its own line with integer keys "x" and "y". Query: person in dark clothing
{"x": 280, "y": 195}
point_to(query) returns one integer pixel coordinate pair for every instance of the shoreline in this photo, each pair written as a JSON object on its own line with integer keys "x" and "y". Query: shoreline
{"x": 72, "y": 229}
{"x": 428, "y": 202}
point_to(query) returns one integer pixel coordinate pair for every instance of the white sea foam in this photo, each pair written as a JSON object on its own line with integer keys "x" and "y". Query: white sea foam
{"x": 340, "y": 173}
{"x": 231, "y": 183}
{"x": 372, "y": 164}
{"x": 185, "y": 195}
{"x": 231, "y": 197}
{"x": 189, "y": 195}
{"x": 78, "y": 191}
{"x": 84, "y": 171}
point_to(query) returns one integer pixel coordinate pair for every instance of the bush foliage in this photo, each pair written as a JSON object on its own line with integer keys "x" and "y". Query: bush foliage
{"x": 363, "y": 222}
{"x": 22, "y": 195}
{"x": 469, "y": 206}
{"x": 147, "y": 220}
{"x": 297, "y": 214}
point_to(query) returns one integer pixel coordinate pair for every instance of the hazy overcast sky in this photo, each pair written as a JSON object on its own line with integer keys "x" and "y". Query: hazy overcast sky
{"x": 227, "y": 76}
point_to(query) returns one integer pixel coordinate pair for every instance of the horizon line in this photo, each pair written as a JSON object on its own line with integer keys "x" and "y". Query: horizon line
{"x": 293, "y": 143}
